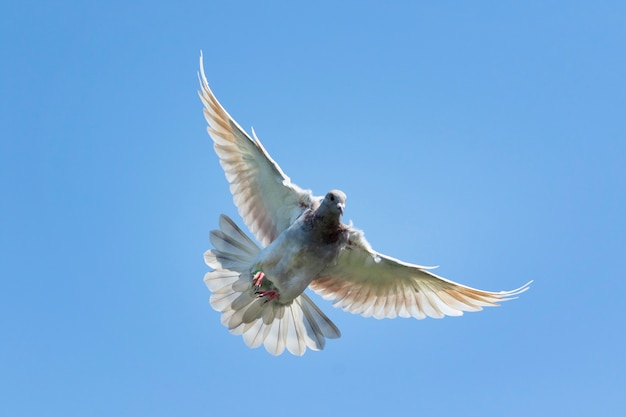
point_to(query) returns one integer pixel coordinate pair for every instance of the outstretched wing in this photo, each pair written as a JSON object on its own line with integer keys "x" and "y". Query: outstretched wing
{"x": 265, "y": 197}
{"x": 365, "y": 282}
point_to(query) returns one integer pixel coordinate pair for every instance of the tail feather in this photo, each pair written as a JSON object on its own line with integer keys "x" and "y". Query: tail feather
{"x": 277, "y": 335}
{"x": 326, "y": 326}
{"x": 211, "y": 260}
{"x": 254, "y": 312}
{"x": 234, "y": 250}
{"x": 222, "y": 300}
{"x": 221, "y": 279}
{"x": 296, "y": 331}
{"x": 277, "y": 326}
{"x": 254, "y": 334}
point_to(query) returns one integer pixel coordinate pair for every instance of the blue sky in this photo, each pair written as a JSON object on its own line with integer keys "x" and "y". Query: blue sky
{"x": 485, "y": 137}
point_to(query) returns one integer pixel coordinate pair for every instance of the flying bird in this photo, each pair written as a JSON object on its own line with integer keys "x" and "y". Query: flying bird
{"x": 304, "y": 244}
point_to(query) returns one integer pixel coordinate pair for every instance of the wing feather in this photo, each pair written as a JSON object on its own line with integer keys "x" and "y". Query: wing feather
{"x": 266, "y": 198}
{"x": 366, "y": 282}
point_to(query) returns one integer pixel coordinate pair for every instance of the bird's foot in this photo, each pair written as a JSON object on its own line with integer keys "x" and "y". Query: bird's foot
{"x": 270, "y": 294}
{"x": 257, "y": 278}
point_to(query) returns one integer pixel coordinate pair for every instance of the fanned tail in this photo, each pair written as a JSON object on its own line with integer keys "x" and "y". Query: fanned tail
{"x": 277, "y": 326}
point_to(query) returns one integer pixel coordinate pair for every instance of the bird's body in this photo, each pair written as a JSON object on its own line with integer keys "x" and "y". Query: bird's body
{"x": 302, "y": 252}
{"x": 260, "y": 291}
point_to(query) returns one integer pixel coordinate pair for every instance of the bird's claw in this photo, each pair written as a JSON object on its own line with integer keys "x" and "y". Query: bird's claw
{"x": 257, "y": 278}
{"x": 257, "y": 281}
{"x": 270, "y": 294}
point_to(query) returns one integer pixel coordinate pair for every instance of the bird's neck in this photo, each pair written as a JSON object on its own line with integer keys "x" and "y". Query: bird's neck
{"x": 325, "y": 226}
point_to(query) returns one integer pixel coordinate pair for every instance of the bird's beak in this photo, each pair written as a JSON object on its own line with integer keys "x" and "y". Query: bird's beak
{"x": 340, "y": 207}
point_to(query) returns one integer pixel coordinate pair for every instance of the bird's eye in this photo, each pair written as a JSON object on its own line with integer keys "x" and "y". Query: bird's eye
{"x": 332, "y": 197}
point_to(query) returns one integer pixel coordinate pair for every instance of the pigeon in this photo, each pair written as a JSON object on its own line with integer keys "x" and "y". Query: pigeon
{"x": 259, "y": 290}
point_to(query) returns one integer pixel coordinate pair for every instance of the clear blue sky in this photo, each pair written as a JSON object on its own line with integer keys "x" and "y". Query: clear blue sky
{"x": 485, "y": 137}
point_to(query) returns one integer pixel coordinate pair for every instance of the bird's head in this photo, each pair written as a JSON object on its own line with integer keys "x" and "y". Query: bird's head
{"x": 334, "y": 201}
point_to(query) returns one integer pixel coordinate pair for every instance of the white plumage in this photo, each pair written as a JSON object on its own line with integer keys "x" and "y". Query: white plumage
{"x": 259, "y": 291}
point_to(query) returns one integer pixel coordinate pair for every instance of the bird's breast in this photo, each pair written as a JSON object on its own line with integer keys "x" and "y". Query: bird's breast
{"x": 293, "y": 260}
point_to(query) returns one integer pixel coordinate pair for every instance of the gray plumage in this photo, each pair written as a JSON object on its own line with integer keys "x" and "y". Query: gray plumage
{"x": 259, "y": 291}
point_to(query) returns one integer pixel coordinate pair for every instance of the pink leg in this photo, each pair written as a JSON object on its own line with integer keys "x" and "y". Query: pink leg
{"x": 270, "y": 294}
{"x": 257, "y": 278}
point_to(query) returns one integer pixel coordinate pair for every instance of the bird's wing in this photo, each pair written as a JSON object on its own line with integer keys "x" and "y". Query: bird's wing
{"x": 266, "y": 198}
{"x": 365, "y": 282}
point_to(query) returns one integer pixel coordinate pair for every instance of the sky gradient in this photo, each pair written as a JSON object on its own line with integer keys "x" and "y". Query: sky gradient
{"x": 486, "y": 138}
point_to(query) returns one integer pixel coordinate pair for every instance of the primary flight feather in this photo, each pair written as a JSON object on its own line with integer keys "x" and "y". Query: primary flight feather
{"x": 259, "y": 290}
